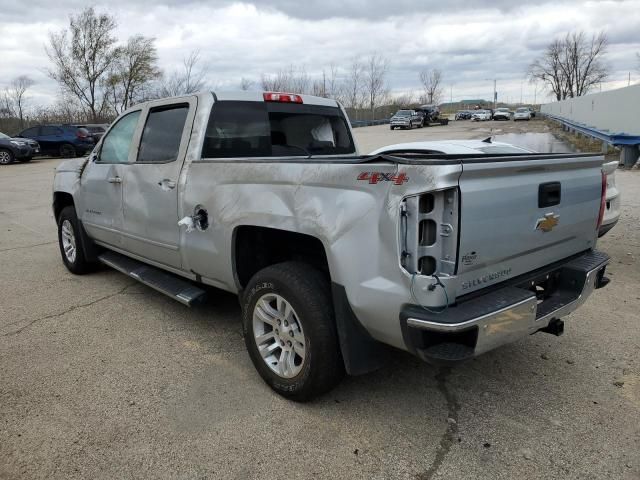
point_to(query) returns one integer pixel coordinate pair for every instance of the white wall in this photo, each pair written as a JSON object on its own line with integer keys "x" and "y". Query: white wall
{"x": 617, "y": 111}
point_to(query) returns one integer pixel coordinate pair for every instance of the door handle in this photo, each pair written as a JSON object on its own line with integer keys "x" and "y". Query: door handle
{"x": 167, "y": 184}
{"x": 114, "y": 180}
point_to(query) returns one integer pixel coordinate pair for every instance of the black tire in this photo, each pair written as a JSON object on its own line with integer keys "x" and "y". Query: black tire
{"x": 308, "y": 292}
{"x": 67, "y": 150}
{"x": 25, "y": 159}
{"x": 390, "y": 128}
{"x": 6, "y": 156}
{"x": 79, "y": 264}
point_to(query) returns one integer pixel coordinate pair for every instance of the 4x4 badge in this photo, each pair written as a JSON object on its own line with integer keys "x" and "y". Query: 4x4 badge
{"x": 548, "y": 222}
{"x": 376, "y": 177}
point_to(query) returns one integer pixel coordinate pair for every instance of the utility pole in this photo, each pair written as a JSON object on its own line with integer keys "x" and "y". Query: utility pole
{"x": 495, "y": 95}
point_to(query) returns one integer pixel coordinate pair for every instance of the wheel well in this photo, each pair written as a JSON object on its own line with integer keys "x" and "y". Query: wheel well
{"x": 258, "y": 247}
{"x": 61, "y": 200}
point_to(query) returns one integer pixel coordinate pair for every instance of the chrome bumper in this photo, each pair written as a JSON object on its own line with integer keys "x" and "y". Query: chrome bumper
{"x": 502, "y": 316}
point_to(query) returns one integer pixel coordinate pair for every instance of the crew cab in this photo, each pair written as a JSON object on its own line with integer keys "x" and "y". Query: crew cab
{"x": 335, "y": 256}
{"x": 406, "y": 119}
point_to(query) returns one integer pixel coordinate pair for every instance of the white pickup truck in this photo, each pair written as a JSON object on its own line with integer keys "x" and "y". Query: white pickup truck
{"x": 335, "y": 255}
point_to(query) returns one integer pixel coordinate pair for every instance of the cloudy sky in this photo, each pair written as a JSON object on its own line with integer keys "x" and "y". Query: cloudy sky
{"x": 472, "y": 42}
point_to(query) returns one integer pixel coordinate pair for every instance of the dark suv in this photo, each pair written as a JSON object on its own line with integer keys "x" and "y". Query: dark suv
{"x": 62, "y": 140}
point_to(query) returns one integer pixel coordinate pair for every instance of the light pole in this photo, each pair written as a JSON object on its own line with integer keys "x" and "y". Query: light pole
{"x": 495, "y": 93}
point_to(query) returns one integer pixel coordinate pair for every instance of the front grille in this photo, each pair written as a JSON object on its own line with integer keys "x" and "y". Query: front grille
{"x": 429, "y": 232}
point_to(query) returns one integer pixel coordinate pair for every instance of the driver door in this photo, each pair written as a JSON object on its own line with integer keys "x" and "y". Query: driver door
{"x": 101, "y": 210}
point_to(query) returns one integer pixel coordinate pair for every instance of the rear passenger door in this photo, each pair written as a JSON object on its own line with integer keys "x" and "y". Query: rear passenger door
{"x": 152, "y": 183}
{"x": 50, "y": 139}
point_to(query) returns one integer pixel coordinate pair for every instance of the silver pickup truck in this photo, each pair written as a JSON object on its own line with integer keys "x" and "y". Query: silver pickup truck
{"x": 335, "y": 256}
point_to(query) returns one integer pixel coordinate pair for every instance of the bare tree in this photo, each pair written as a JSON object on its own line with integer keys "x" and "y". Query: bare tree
{"x": 189, "y": 80}
{"x": 548, "y": 69}
{"x": 404, "y": 100}
{"x": 353, "y": 87}
{"x": 132, "y": 74}
{"x": 82, "y": 57}
{"x": 287, "y": 80}
{"x": 375, "y": 83}
{"x": 572, "y": 66}
{"x": 246, "y": 84}
{"x": 327, "y": 85}
{"x": 16, "y": 95}
{"x": 431, "y": 81}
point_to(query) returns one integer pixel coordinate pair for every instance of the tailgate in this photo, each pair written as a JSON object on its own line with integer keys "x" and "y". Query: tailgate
{"x": 520, "y": 215}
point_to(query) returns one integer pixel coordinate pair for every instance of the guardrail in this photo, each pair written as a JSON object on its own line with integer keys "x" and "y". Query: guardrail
{"x": 610, "y": 116}
{"x": 629, "y": 144}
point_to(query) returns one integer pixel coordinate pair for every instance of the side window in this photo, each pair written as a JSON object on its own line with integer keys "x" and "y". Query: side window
{"x": 115, "y": 146}
{"x": 50, "y": 131}
{"x": 30, "y": 132}
{"x": 238, "y": 129}
{"x": 162, "y": 134}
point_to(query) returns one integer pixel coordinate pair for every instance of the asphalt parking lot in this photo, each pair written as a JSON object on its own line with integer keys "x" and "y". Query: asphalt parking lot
{"x": 101, "y": 377}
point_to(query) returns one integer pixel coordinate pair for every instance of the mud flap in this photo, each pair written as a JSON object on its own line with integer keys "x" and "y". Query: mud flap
{"x": 361, "y": 353}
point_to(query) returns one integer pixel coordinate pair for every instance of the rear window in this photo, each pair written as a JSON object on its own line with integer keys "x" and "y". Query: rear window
{"x": 269, "y": 129}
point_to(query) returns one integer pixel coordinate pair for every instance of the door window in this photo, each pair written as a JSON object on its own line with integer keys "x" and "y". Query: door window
{"x": 50, "y": 131}
{"x": 116, "y": 144}
{"x": 30, "y": 132}
{"x": 162, "y": 134}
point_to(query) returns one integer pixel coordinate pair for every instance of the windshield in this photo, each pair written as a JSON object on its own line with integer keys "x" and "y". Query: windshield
{"x": 270, "y": 129}
{"x": 403, "y": 113}
{"x": 2, "y": 135}
{"x": 523, "y": 110}
{"x": 502, "y": 110}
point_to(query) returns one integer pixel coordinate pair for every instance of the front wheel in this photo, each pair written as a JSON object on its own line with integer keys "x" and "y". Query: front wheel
{"x": 71, "y": 248}
{"x": 6, "y": 157}
{"x": 290, "y": 332}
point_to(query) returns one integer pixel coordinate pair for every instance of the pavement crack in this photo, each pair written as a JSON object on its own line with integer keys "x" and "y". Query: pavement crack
{"x": 26, "y": 246}
{"x": 449, "y": 436}
{"x": 68, "y": 310}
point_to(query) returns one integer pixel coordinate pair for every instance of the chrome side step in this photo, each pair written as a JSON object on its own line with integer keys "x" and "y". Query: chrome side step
{"x": 171, "y": 285}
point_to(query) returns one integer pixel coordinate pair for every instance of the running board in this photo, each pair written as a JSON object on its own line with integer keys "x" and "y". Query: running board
{"x": 171, "y": 285}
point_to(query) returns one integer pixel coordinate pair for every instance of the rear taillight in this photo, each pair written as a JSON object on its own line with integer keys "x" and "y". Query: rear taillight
{"x": 603, "y": 200}
{"x": 81, "y": 134}
{"x": 281, "y": 97}
{"x": 429, "y": 232}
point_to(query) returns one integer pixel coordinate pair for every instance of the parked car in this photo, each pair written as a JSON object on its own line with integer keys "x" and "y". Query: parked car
{"x": 481, "y": 115}
{"x": 522, "y": 113}
{"x": 533, "y": 112}
{"x": 61, "y": 140}
{"x": 406, "y": 119}
{"x": 502, "y": 113}
{"x": 463, "y": 114}
{"x": 20, "y": 149}
{"x": 96, "y": 130}
{"x": 335, "y": 255}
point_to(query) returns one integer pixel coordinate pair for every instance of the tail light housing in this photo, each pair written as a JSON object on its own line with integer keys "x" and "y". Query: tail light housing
{"x": 281, "y": 97}
{"x": 603, "y": 200}
{"x": 82, "y": 133}
{"x": 429, "y": 225}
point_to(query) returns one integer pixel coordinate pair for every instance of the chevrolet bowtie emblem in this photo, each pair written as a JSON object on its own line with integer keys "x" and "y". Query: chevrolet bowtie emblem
{"x": 547, "y": 223}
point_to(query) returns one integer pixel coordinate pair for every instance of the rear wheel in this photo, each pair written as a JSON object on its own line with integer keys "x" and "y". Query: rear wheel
{"x": 289, "y": 330}
{"x": 67, "y": 150}
{"x": 6, "y": 157}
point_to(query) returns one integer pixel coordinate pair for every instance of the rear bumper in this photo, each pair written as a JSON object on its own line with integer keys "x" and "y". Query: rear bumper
{"x": 504, "y": 315}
